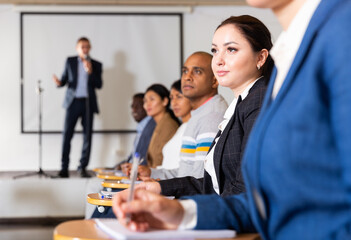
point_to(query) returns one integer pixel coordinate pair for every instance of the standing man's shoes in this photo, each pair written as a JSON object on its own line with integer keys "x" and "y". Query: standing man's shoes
{"x": 62, "y": 174}
{"x": 83, "y": 173}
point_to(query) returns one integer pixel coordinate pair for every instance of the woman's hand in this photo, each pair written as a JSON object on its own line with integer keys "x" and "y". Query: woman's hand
{"x": 126, "y": 168}
{"x": 144, "y": 171}
{"x": 148, "y": 210}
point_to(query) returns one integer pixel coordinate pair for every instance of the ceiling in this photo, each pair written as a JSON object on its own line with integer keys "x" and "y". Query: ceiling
{"x": 128, "y": 2}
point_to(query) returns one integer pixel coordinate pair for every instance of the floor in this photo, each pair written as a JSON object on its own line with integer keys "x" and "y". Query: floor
{"x": 35, "y": 174}
{"x": 26, "y": 232}
{"x": 39, "y": 227}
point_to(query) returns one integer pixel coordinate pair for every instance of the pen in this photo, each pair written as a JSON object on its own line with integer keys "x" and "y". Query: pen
{"x": 141, "y": 161}
{"x": 133, "y": 177}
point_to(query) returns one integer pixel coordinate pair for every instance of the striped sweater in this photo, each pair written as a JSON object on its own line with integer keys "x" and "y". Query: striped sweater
{"x": 197, "y": 139}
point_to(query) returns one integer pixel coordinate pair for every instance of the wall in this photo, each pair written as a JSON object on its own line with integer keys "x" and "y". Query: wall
{"x": 20, "y": 151}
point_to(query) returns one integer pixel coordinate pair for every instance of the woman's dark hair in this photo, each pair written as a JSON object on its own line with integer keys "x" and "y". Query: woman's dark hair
{"x": 177, "y": 85}
{"x": 163, "y": 92}
{"x": 257, "y": 34}
{"x": 139, "y": 95}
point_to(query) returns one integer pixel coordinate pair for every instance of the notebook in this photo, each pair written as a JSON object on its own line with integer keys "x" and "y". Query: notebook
{"x": 115, "y": 230}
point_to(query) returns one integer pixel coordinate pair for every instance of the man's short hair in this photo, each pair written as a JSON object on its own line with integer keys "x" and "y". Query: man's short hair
{"x": 83, "y": 39}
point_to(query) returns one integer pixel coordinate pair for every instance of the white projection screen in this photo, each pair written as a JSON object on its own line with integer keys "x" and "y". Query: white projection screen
{"x": 136, "y": 50}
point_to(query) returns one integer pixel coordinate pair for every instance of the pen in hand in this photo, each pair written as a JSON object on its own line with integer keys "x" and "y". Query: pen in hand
{"x": 133, "y": 177}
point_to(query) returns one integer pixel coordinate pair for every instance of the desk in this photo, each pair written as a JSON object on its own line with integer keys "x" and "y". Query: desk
{"x": 114, "y": 184}
{"x": 94, "y": 198}
{"x": 86, "y": 230}
{"x": 110, "y": 176}
{"x": 103, "y": 170}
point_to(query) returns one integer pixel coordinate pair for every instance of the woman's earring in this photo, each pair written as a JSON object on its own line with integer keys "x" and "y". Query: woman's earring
{"x": 258, "y": 67}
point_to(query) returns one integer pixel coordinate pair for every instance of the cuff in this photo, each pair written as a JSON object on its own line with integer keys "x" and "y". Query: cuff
{"x": 190, "y": 214}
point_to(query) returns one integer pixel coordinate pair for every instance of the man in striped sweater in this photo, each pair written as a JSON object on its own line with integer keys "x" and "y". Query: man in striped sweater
{"x": 200, "y": 86}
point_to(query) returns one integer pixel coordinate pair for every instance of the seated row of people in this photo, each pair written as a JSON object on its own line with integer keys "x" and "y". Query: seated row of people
{"x": 247, "y": 76}
{"x": 156, "y": 122}
{"x": 215, "y": 137}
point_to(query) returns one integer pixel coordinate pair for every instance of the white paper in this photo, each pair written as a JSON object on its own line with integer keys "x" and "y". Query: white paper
{"x": 119, "y": 173}
{"x": 114, "y": 229}
{"x": 128, "y": 181}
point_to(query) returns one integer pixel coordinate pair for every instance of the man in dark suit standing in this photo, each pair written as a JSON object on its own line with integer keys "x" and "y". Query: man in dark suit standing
{"x": 82, "y": 75}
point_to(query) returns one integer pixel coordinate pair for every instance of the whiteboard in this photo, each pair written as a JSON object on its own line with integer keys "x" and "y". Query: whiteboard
{"x": 136, "y": 50}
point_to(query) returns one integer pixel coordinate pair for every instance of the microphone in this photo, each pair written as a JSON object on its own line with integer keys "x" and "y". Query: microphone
{"x": 87, "y": 57}
{"x": 39, "y": 89}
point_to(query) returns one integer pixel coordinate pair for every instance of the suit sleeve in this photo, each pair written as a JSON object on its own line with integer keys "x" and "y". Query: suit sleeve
{"x": 64, "y": 77}
{"x": 215, "y": 212}
{"x": 96, "y": 75}
{"x": 179, "y": 187}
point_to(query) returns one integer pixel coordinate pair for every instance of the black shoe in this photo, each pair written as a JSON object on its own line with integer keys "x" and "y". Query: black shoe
{"x": 83, "y": 173}
{"x": 62, "y": 174}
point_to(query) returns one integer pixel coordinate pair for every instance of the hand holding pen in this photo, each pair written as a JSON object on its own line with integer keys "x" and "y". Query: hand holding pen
{"x": 149, "y": 210}
{"x": 133, "y": 178}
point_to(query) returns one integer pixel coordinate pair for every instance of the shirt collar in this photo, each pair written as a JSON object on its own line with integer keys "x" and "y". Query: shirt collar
{"x": 203, "y": 106}
{"x": 289, "y": 41}
{"x": 285, "y": 48}
{"x": 230, "y": 110}
{"x": 142, "y": 124}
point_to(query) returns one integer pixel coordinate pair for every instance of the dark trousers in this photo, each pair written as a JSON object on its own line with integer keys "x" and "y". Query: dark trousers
{"x": 78, "y": 109}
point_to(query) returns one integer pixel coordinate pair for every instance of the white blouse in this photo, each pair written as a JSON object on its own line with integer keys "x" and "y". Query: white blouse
{"x": 171, "y": 150}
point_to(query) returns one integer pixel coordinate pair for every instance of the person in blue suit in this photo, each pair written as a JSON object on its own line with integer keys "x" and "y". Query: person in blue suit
{"x": 297, "y": 164}
{"x": 82, "y": 75}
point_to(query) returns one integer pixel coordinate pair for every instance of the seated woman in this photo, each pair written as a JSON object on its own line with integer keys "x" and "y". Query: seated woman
{"x": 171, "y": 151}
{"x": 157, "y": 106}
{"x": 242, "y": 63}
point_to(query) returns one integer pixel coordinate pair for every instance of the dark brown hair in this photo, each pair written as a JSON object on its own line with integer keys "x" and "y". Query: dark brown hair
{"x": 177, "y": 85}
{"x": 163, "y": 92}
{"x": 257, "y": 34}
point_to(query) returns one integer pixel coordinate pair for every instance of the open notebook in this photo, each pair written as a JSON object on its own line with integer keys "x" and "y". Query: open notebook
{"x": 114, "y": 229}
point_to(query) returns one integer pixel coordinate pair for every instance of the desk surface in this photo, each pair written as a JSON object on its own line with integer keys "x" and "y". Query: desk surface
{"x": 114, "y": 184}
{"x": 86, "y": 230}
{"x": 110, "y": 176}
{"x": 94, "y": 198}
{"x": 102, "y": 170}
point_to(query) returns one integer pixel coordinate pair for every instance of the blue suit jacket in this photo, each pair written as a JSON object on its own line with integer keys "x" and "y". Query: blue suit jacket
{"x": 144, "y": 142}
{"x": 297, "y": 165}
{"x": 70, "y": 77}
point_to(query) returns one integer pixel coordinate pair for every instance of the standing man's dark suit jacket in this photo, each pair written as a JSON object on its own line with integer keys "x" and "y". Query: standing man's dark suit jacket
{"x": 75, "y": 108}
{"x": 70, "y": 77}
{"x": 227, "y": 153}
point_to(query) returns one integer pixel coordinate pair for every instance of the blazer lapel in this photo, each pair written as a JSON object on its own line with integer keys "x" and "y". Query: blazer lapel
{"x": 219, "y": 149}
{"x": 75, "y": 71}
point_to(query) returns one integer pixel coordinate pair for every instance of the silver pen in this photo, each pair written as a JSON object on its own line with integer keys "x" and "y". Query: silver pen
{"x": 133, "y": 177}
